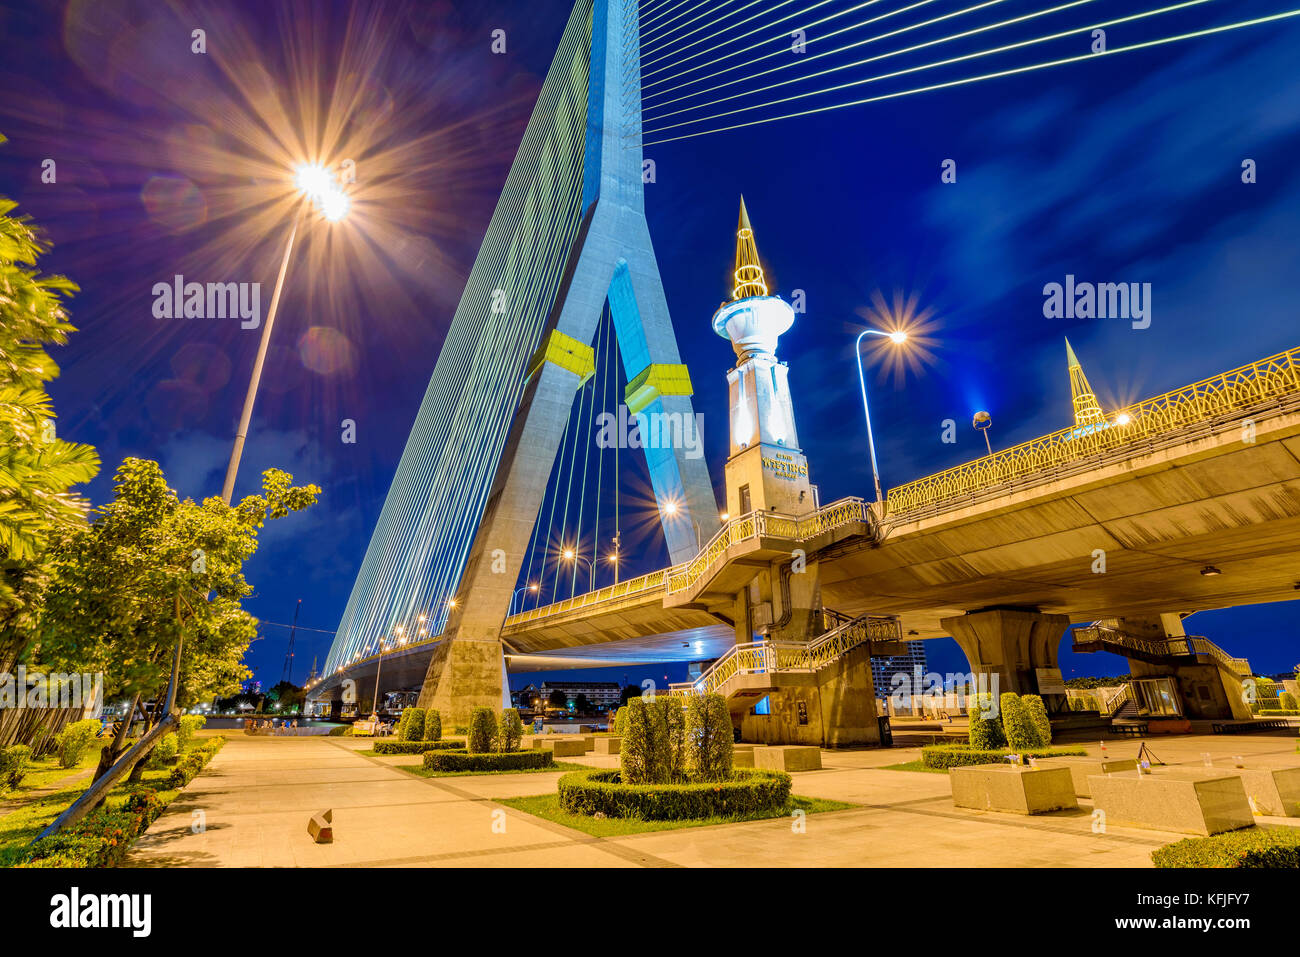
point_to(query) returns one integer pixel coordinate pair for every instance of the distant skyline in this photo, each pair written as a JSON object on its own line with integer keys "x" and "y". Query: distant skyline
{"x": 1127, "y": 171}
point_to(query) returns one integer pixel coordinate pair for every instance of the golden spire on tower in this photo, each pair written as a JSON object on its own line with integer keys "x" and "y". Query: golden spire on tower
{"x": 1087, "y": 411}
{"x": 749, "y": 272}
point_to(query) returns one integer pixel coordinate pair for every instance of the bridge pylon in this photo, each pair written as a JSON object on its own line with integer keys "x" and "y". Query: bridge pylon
{"x": 610, "y": 259}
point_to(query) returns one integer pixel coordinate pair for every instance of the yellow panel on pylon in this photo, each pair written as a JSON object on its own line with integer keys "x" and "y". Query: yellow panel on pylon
{"x": 654, "y": 381}
{"x": 567, "y": 353}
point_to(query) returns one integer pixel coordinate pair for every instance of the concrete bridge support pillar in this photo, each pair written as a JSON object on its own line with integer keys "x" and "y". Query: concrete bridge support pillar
{"x": 1009, "y": 643}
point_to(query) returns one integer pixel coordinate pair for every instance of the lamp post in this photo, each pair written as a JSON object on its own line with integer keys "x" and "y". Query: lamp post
{"x": 898, "y": 337}
{"x": 316, "y": 186}
{"x": 531, "y": 587}
{"x": 571, "y": 555}
{"x": 379, "y": 667}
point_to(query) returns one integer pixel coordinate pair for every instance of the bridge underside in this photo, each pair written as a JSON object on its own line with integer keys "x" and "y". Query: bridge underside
{"x": 1160, "y": 518}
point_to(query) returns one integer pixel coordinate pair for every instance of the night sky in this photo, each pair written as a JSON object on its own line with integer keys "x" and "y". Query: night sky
{"x": 1127, "y": 169}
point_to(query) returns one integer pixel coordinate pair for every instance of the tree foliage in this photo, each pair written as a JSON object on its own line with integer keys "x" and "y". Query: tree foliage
{"x": 151, "y": 568}
{"x": 37, "y": 469}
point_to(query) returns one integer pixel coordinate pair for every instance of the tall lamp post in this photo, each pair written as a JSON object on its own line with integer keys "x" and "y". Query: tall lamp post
{"x": 316, "y": 186}
{"x": 898, "y": 337}
{"x": 531, "y": 587}
{"x": 571, "y": 555}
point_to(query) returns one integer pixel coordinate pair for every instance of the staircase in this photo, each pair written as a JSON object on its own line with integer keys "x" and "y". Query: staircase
{"x": 1189, "y": 650}
{"x": 756, "y": 666}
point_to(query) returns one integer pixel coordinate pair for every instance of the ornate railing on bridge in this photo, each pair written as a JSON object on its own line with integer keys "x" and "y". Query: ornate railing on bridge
{"x": 754, "y": 525}
{"x": 768, "y": 657}
{"x": 1189, "y": 646}
{"x": 1202, "y": 402}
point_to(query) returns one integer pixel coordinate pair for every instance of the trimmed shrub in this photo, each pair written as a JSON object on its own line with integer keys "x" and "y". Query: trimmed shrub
{"x": 1037, "y": 712}
{"x": 164, "y": 752}
{"x": 985, "y": 733}
{"x": 487, "y": 761}
{"x": 651, "y": 751}
{"x": 482, "y": 731}
{"x": 620, "y": 720}
{"x": 342, "y": 731}
{"x": 15, "y": 762}
{"x": 1286, "y": 701}
{"x": 509, "y": 730}
{"x": 708, "y": 738}
{"x": 189, "y": 725}
{"x": 394, "y": 746}
{"x": 672, "y": 715}
{"x": 1271, "y": 847}
{"x": 410, "y": 726}
{"x": 1016, "y": 725}
{"x": 73, "y": 741}
{"x": 942, "y": 756}
{"x": 192, "y": 762}
{"x": 746, "y": 791}
{"x": 1277, "y": 712}
{"x": 432, "y": 725}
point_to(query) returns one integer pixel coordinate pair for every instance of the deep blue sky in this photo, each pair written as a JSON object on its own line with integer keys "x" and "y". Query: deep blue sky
{"x": 1122, "y": 169}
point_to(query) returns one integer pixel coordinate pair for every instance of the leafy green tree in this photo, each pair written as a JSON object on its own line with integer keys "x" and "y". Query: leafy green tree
{"x": 985, "y": 732}
{"x": 559, "y": 699}
{"x": 1019, "y": 728}
{"x": 151, "y": 569}
{"x": 36, "y": 468}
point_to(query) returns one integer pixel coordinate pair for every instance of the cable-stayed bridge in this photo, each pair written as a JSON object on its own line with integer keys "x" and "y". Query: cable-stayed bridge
{"x": 505, "y": 495}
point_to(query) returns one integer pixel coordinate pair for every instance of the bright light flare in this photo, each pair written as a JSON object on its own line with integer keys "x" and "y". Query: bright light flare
{"x": 1123, "y": 419}
{"x": 313, "y": 180}
{"x": 898, "y": 337}
{"x": 334, "y": 204}
{"x": 670, "y": 508}
{"x": 907, "y": 328}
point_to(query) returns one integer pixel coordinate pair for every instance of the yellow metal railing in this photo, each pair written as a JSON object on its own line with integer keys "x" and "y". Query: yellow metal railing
{"x": 676, "y": 578}
{"x": 770, "y": 657}
{"x": 1231, "y": 392}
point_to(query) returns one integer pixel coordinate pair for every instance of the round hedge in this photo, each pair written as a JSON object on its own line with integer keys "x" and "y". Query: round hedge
{"x": 603, "y": 792}
{"x": 463, "y": 760}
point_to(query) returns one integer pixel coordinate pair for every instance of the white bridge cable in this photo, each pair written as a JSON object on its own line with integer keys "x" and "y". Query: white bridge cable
{"x": 785, "y": 50}
{"x": 1013, "y": 71}
{"x": 675, "y": 53}
{"x": 661, "y": 37}
{"x": 661, "y": 40}
{"x": 916, "y": 69}
{"x": 779, "y": 37}
{"x": 661, "y": 11}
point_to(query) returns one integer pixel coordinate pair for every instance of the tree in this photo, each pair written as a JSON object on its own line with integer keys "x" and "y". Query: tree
{"x": 151, "y": 569}
{"x": 36, "y": 468}
{"x": 288, "y": 695}
{"x": 581, "y": 704}
{"x": 628, "y": 693}
{"x": 558, "y": 699}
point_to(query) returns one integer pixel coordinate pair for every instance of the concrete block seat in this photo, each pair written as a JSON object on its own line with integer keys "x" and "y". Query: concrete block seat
{"x": 786, "y": 757}
{"x": 609, "y": 744}
{"x": 1012, "y": 788}
{"x": 1082, "y": 768}
{"x": 1187, "y": 800}
{"x": 1271, "y": 791}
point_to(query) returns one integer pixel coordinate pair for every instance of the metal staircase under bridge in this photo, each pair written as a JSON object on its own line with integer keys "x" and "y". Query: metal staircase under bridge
{"x": 1183, "y": 650}
{"x": 753, "y": 668}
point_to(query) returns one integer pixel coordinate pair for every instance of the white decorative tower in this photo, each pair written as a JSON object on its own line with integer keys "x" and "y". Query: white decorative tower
{"x": 766, "y": 470}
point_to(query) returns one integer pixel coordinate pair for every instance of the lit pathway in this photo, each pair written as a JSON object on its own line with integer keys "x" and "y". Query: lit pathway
{"x": 257, "y": 794}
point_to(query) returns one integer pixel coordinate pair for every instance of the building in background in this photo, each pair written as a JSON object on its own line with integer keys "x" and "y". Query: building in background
{"x": 884, "y": 669}
{"x": 597, "y": 695}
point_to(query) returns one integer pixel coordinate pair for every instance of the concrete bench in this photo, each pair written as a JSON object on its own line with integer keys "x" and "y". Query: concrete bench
{"x": 1186, "y": 800}
{"x": 1133, "y": 729}
{"x": 1082, "y": 768}
{"x": 608, "y": 745}
{"x": 787, "y": 757}
{"x": 564, "y": 745}
{"x": 742, "y": 757}
{"x": 1012, "y": 788}
{"x": 1274, "y": 792}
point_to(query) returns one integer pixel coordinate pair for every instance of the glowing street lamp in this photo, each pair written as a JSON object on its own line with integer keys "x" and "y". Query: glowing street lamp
{"x": 317, "y": 187}
{"x": 530, "y": 587}
{"x": 983, "y": 422}
{"x": 569, "y": 555}
{"x": 897, "y": 337}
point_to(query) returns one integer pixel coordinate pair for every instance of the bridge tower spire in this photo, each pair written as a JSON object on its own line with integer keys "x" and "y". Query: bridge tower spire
{"x": 1087, "y": 411}
{"x": 766, "y": 469}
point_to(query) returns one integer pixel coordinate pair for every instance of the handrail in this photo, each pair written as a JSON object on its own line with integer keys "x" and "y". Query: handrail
{"x": 764, "y": 657}
{"x": 1186, "y": 645}
{"x": 1116, "y": 701}
{"x": 1203, "y": 401}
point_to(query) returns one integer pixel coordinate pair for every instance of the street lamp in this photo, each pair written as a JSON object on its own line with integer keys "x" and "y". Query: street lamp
{"x": 982, "y": 422}
{"x": 317, "y": 187}
{"x": 379, "y": 667}
{"x": 570, "y": 555}
{"x": 897, "y": 337}
{"x": 532, "y": 587}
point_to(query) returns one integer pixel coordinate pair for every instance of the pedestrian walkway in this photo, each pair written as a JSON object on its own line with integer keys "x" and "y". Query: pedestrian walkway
{"x": 250, "y": 808}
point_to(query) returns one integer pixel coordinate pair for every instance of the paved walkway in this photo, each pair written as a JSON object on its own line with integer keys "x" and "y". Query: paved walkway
{"x": 257, "y": 794}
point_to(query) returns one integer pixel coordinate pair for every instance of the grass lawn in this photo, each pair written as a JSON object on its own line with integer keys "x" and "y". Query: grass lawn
{"x": 45, "y": 772}
{"x": 547, "y": 806}
{"x": 913, "y": 766}
{"x": 419, "y": 771}
{"x": 19, "y": 828}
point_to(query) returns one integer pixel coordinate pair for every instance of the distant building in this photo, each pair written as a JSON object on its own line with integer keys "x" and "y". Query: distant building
{"x": 601, "y": 695}
{"x": 884, "y": 669}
